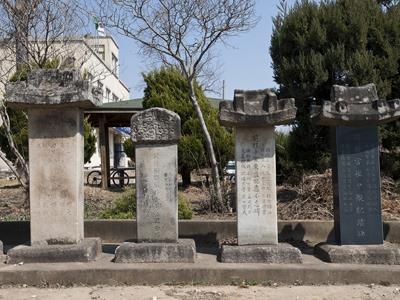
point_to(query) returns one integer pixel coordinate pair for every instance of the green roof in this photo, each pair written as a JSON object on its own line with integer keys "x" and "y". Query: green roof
{"x": 133, "y": 103}
{"x": 137, "y": 103}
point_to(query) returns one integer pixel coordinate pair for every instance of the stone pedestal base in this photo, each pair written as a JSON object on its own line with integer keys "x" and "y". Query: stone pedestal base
{"x": 85, "y": 251}
{"x": 183, "y": 251}
{"x": 385, "y": 254}
{"x": 275, "y": 254}
{"x": 2, "y": 256}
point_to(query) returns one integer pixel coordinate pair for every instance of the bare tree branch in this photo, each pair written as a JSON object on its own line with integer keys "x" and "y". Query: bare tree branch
{"x": 181, "y": 33}
{"x": 33, "y": 32}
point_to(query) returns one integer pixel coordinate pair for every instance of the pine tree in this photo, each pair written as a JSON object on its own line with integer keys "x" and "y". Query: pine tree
{"x": 315, "y": 45}
{"x": 167, "y": 88}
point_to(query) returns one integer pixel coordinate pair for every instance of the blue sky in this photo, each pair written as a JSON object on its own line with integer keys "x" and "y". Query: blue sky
{"x": 245, "y": 65}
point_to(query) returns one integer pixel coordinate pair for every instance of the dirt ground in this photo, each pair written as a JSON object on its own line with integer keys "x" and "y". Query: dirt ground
{"x": 204, "y": 293}
{"x": 311, "y": 198}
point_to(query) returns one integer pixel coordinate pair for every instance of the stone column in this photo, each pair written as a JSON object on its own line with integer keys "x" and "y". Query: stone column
{"x": 253, "y": 114}
{"x": 54, "y": 100}
{"x": 356, "y": 182}
{"x": 155, "y": 133}
{"x": 157, "y": 193}
{"x": 257, "y": 222}
{"x": 353, "y": 115}
{"x": 56, "y": 175}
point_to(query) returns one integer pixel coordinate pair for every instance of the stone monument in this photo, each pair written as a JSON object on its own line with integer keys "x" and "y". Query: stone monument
{"x": 353, "y": 115}
{"x": 254, "y": 114}
{"x": 155, "y": 133}
{"x": 54, "y": 100}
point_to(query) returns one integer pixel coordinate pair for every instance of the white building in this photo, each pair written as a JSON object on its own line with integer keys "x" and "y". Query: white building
{"x": 106, "y": 76}
{"x": 98, "y": 59}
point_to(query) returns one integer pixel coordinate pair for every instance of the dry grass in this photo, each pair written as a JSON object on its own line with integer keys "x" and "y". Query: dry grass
{"x": 312, "y": 198}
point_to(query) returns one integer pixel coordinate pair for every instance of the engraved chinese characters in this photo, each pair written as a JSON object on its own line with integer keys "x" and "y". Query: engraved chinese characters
{"x": 256, "y": 186}
{"x": 156, "y": 132}
{"x": 254, "y": 114}
{"x": 156, "y": 191}
{"x": 56, "y": 176}
{"x": 353, "y": 114}
{"x": 357, "y": 186}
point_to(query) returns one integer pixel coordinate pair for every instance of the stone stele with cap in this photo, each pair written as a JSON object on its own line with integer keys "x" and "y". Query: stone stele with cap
{"x": 254, "y": 114}
{"x": 353, "y": 114}
{"x": 155, "y": 133}
{"x": 54, "y": 100}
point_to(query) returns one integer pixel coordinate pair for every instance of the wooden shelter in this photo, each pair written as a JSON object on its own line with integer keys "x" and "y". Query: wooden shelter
{"x": 114, "y": 114}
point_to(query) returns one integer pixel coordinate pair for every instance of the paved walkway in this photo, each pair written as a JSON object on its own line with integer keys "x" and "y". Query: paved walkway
{"x": 204, "y": 293}
{"x": 206, "y": 270}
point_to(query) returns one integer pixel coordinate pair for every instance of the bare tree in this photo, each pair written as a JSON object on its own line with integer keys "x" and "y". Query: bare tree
{"x": 32, "y": 32}
{"x": 182, "y": 33}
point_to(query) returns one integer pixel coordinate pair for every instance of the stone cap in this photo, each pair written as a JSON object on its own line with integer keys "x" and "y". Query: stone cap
{"x": 256, "y": 108}
{"x": 355, "y": 106}
{"x": 53, "y": 88}
{"x": 156, "y": 126}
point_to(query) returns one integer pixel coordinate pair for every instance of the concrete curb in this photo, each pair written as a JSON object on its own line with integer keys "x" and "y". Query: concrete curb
{"x": 224, "y": 274}
{"x": 202, "y": 231}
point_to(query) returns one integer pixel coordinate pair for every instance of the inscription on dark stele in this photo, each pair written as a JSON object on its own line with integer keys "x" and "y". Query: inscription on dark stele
{"x": 356, "y": 178}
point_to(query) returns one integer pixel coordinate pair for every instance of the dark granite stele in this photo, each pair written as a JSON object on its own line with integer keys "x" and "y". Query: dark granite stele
{"x": 384, "y": 254}
{"x": 353, "y": 113}
{"x": 184, "y": 251}
{"x": 281, "y": 253}
{"x": 87, "y": 250}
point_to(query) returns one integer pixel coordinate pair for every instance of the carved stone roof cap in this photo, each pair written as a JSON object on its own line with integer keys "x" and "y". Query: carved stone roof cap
{"x": 355, "y": 106}
{"x": 156, "y": 126}
{"x": 361, "y": 94}
{"x": 256, "y": 108}
{"x": 53, "y": 87}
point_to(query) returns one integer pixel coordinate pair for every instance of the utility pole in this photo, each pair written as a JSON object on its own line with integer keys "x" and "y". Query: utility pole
{"x": 21, "y": 23}
{"x": 223, "y": 89}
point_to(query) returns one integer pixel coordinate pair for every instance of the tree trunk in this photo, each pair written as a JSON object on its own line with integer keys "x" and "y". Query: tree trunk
{"x": 186, "y": 178}
{"x": 21, "y": 32}
{"x": 19, "y": 167}
{"x": 216, "y": 199}
{"x": 21, "y": 22}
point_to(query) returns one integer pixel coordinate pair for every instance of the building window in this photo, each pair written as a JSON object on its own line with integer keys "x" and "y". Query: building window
{"x": 108, "y": 95}
{"x": 100, "y": 50}
{"x": 90, "y": 77}
{"x": 115, "y": 98}
{"x": 100, "y": 86}
{"x": 114, "y": 64}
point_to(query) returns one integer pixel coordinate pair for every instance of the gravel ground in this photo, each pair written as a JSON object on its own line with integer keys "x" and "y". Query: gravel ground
{"x": 204, "y": 293}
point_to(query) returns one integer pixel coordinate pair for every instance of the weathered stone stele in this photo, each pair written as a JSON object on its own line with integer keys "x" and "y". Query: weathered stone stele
{"x": 254, "y": 114}
{"x": 353, "y": 114}
{"x": 155, "y": 133}
{"x": 256, "y": 186}
{"x": 55, "y": 164}
{"x": 53, "y": 100}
